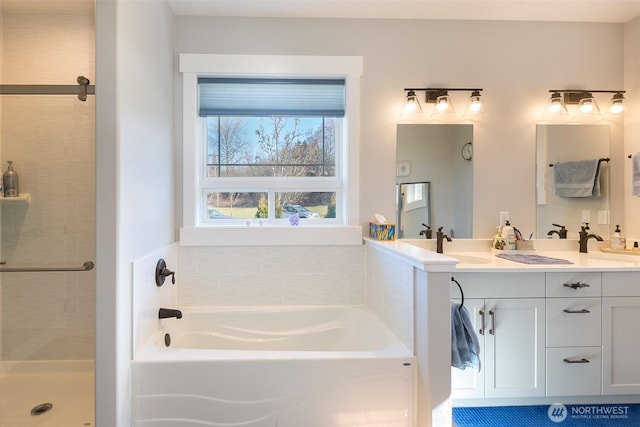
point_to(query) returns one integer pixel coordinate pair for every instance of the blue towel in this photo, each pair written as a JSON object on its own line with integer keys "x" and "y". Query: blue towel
{"x": 465, "y": 347}
{"x": 577, "y": 179}
{"x": 635, "y": 174}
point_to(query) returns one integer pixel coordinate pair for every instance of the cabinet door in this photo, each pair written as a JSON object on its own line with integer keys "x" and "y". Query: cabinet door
{"x": 621, "y": 345}
{"x": 469, "y": 383}
{"x": 515, "y": 347}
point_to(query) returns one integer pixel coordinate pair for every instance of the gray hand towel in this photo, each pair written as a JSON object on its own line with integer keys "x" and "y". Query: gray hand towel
{"x": 578, "y": 178}
{"x": 465, "y": 347}
{"x": 635, "y": 174}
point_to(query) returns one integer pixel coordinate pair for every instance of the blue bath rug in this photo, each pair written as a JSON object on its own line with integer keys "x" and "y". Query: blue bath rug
{"x": 533, "y": 259}
{"x": 556, "y": 415}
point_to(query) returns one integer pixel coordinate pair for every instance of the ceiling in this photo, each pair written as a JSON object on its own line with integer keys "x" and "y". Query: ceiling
{"x": 616, "y": 11}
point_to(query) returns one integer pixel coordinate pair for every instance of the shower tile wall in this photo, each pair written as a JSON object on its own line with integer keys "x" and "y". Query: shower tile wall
{"x": 51, "y": 141}
{"x": 271, "y": 275}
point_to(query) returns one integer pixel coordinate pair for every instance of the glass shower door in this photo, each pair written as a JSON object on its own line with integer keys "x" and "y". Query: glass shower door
{"x": 47, "y": 232}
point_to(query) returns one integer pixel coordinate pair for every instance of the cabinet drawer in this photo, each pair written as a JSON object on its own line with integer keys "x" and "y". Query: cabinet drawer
{"x": 500, "y": 285}
{"x": 574, "y": 371}
{"x": 621, "y": 284}
{"x": 574, "y": 322}
{"x": 576, "y": 284}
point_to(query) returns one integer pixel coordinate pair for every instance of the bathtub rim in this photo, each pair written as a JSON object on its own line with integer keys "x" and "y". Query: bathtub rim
{"x": 153, "y": 351}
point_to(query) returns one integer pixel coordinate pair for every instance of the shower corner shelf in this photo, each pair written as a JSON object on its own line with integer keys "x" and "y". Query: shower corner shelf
{"x": 22, "y": 198}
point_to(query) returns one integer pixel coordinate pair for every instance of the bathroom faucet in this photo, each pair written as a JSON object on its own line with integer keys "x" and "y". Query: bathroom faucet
{"x": 584, "y": 238}
{"x": 427, "y": 233}
{"x": 440, "y": 236}
{"x": 166, "y": 313}
{"x": 562, "y": 233}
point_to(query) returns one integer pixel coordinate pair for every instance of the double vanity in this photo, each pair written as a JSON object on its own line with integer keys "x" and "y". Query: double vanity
{"x": 561, "y": 331}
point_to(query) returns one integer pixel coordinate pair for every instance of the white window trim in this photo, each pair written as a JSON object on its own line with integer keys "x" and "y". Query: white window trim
{"x": 192, "y": 232}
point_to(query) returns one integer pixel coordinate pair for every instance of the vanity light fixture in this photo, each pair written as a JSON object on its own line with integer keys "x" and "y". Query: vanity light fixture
{"x": 557, "y": 105}
{"x": 616, "y": 105}
{"x": 475, "y": 104}
{"x": 587, "y": 106}
{"x": 443, "y": 104}
{"x": 411, "y": 105}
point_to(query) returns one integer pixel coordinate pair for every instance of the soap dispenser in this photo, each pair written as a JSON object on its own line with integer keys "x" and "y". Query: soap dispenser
{"x": 509, "y": 235}
{"x": 618, "y": 241}
{"x": 10, "y": 182}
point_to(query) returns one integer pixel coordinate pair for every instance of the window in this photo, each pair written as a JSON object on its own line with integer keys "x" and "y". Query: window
{"x": 269, "y": 141}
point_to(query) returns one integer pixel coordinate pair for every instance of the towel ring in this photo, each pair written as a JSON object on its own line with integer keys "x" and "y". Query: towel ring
{"x": 461, "y": 292}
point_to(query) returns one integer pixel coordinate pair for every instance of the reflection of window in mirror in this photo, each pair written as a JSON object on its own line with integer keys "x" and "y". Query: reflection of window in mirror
{"x": 413, "y": 209}
{"x": 415, "y": 197}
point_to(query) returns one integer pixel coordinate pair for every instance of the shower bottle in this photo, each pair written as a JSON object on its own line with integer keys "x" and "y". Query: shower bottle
{"x": 10, "y": 182}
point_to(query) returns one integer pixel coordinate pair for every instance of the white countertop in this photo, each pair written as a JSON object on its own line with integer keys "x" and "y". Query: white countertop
{"x": 474, "y": 255}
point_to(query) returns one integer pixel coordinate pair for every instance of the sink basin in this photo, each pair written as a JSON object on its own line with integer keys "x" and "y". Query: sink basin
{"x": 468, "y": 259}
{"x": 613, "y": 257}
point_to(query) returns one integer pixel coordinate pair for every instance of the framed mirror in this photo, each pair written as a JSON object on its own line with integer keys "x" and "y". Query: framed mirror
{"x": 434, "y": 179}
{"x": 578, "y": 144}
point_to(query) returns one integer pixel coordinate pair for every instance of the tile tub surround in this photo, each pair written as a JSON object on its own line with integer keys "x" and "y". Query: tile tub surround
{"x": 148, "y": 297}
{"x": 271, "y": 275}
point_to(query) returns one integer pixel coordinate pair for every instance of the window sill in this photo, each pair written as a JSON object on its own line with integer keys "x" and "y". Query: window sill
{"x": 270, "y": 235}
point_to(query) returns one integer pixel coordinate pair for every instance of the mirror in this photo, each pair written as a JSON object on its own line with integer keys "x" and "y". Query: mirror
{"x": 568, "y": 143}
{"x": 434, "y": 180}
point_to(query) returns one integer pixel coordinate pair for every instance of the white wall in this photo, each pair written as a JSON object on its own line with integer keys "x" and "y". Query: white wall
{"x": 515, "y": 62}
{"x": 632, "y": 123}
{"x": 135, "y": 176}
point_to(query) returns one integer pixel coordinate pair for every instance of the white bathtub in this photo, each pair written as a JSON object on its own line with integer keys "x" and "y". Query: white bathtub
{"x": 274, "y": 366}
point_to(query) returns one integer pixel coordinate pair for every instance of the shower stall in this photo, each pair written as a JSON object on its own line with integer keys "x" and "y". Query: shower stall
{"x": 47, "y": 232}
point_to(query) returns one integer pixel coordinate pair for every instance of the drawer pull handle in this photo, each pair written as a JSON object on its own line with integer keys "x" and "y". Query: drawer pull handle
{"x": 583, "y": 311}
{"x": 492, "y": 314}
{"x": 481, "y": 331}
{"x": 583, "y": 360}
{"x": 576, "y": 285}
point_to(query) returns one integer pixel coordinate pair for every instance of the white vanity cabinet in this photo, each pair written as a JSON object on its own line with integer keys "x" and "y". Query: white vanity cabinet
{"x": 507, "y": 310}
{"x": 621, "y": 332}
{"x": 573, "y": 333}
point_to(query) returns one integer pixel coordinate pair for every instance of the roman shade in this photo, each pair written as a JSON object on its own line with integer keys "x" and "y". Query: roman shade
{"x": 238, "y": 97}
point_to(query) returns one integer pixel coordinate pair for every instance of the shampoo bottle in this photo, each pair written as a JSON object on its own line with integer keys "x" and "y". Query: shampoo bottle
{"x": 618, "y": 241}
{"x": 10, "y": 182}
{"x": 509, "y": 235}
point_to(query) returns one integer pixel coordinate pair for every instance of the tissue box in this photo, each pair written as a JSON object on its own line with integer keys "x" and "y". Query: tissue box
{"x": 382, "y": 231}
{"x": 524, "y": 245}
